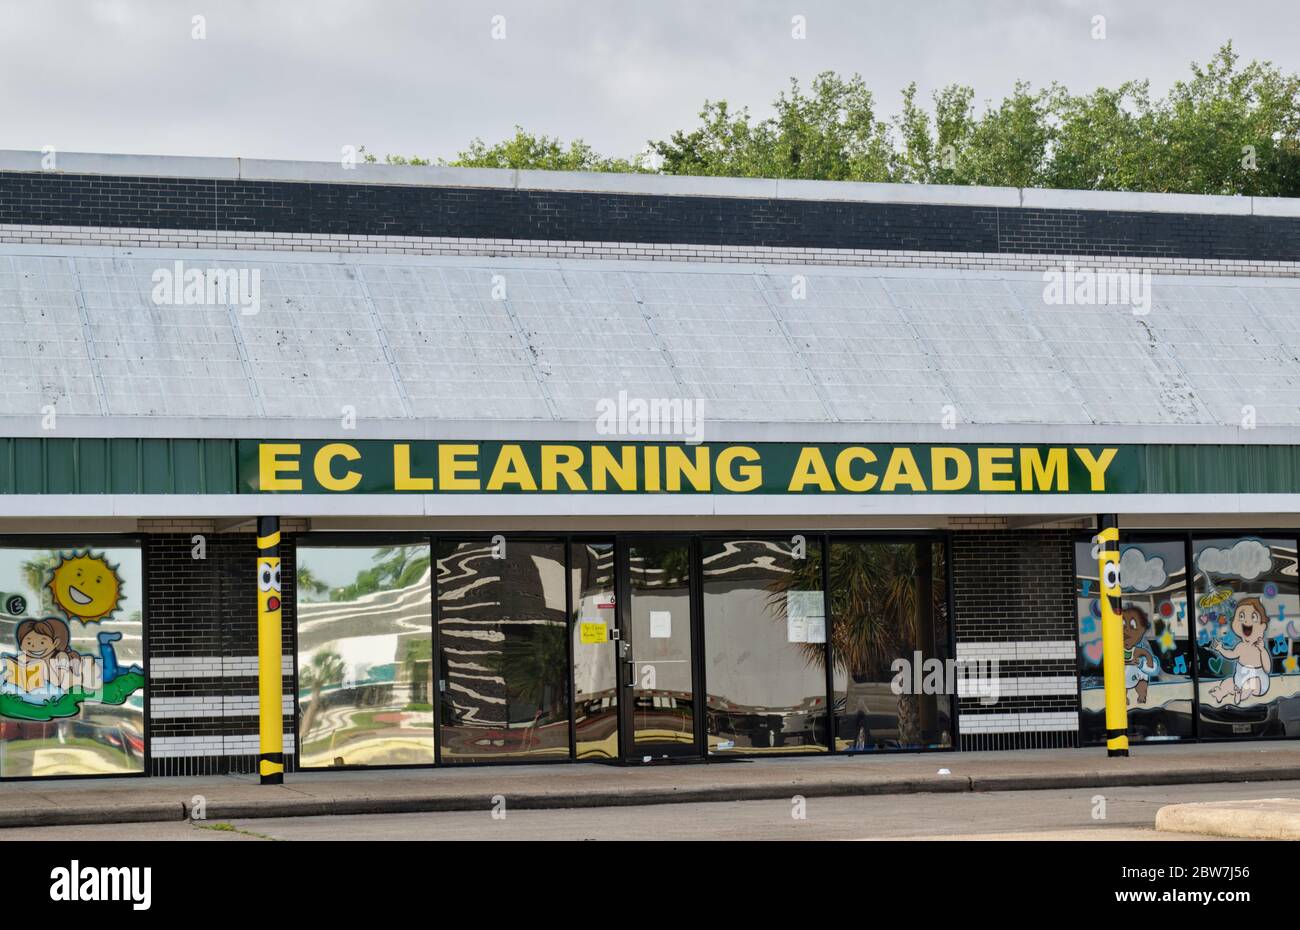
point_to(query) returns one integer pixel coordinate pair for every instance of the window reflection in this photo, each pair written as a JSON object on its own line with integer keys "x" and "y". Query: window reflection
{"x": 365, "y": 649}
{"x": 72, "y": 674}
{"x": 888, "y": 604}
{"x": 765, "y": 630}
{"x": 503, "y": 638}
{"x": 595, "y": 708}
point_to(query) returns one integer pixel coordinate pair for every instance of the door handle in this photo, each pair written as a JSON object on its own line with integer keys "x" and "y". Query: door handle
{"x": 629, "y": 663}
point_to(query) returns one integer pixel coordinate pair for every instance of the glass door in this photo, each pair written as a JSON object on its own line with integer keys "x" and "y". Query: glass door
{"x": 655, "y": 651}
{"x": 595, "y": 669}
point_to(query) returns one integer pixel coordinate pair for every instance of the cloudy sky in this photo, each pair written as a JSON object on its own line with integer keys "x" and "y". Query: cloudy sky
{"x": 302, "y": 78}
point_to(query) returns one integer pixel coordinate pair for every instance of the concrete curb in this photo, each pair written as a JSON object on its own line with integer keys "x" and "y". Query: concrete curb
{"x": 287, "y": 803}
{"x": 155, "y": 812}
{"x": 1269, "y": 819}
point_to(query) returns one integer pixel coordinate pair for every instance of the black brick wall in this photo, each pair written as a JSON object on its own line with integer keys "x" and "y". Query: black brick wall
{"x": 205, "y": 608}
{"x": 278, "y": 206}
{"x": 1016, "y": 586}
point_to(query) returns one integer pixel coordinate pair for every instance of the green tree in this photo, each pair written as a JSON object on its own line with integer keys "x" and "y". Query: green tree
{"x": 1227, "y": 129}
{"x": 545, "y": 153}
{"x": 830, "y": 133}
{"x": 525, "y": 150}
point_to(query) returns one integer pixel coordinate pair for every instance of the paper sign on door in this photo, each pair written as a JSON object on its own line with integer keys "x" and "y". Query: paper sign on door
{"x": 592, "y": 632}
{"x": 661, "y": 624}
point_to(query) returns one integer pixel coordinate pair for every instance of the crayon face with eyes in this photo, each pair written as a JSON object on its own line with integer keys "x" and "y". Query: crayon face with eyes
{"x": 1110, "y": 583}
{"x": 268, "y": 585}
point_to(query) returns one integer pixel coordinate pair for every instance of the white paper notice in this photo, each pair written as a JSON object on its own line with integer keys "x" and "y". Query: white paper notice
{"x": 796, "y": 629}
{"x": 661, "y": 624}
{"x": 805, "y": 613}
{"x": 816, "y": 629}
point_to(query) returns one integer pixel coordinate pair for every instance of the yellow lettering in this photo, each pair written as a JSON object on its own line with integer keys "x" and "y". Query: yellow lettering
{"x": 651, "y": 477}
{"x": 811, "y": 469}
{"x": 1096, "y": 465}
{"x": 563, "y": 461}
{"x": 270, "y": 465}
{"x": 902, "y": 470}
{"x": 940, "y": 456}
{"x": 325, "y": 457}
{"x": 604, "y": 466}
{"x": 844, "y": 469}
{"x": 743, "y": 478}
{"x": 511, "y": 468}
{"x": 992, "y": 468}
{"x": 677, "y": 464}
{"x": 450, "y": 466}
{"x": 402, "y": 480}
{"x": 1051, "y": 475}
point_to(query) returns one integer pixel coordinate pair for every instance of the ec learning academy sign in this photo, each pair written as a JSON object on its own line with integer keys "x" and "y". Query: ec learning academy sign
{"x": 464, "y": 467}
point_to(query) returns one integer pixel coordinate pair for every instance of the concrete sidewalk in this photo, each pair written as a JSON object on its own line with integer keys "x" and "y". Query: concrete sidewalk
{"x": 564, "y": 785}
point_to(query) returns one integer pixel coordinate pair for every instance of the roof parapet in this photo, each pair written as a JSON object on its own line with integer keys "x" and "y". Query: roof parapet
{"x": 312, "y": 172}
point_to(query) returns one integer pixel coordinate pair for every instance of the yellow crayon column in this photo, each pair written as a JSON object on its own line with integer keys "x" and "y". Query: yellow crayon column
{"x": 1112, "y": 636}
{"x": 270, "y": 759}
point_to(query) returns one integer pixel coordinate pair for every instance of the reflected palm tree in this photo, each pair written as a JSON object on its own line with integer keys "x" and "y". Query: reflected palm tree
{"x": 535, "y": 669}
{"x": 36, "y": 574}
{"x": 306, "y": 581}
{"x": 874, "y": 614}
{"x": 398, "y": 567}
{"x": 326, "y": 668}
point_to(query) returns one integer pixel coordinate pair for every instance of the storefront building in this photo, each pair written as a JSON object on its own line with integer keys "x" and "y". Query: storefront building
{"x": 632, "y": 468}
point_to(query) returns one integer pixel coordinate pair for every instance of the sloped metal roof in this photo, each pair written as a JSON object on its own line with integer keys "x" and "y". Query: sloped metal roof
{"x": 406, "y": 338}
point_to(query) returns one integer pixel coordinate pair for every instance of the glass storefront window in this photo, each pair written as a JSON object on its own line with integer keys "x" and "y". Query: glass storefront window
{"x": 365, "y": 651}
{"x": 1157, "y": 648}
{"x": 765, "y": 633}
{"x": 889, "y": 631}
{"x": 595, "y": 673}
{"x": 662, "y": 640}
{"x": 1246, "y": 601}
{"x": 504, "y": 651}
{"x": 72, "y": 675}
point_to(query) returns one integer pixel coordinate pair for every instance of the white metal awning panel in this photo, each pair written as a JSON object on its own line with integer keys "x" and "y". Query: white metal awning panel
{"x": 500, "y": 340}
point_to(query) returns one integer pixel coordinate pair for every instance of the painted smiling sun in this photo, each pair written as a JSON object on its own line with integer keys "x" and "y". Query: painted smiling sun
{"x": 86, "y": 587}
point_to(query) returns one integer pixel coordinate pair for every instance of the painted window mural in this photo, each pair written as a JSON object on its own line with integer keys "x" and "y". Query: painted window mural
{"x": 71, "y": 661}
{"x": 1246, "y": 605}
{"x": 1158, "y": 674}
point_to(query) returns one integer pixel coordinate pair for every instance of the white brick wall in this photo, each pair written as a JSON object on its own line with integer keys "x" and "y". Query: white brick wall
{"x": 541, "y": 248}
{"x": 1029, "y": 651}
{"x": 975, "y": 724}
{"x": 210, "y": 666}
{"x": 1013, "y": 687}
{"x": 162, "y": 747}
{"x": 239, "y": 705}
